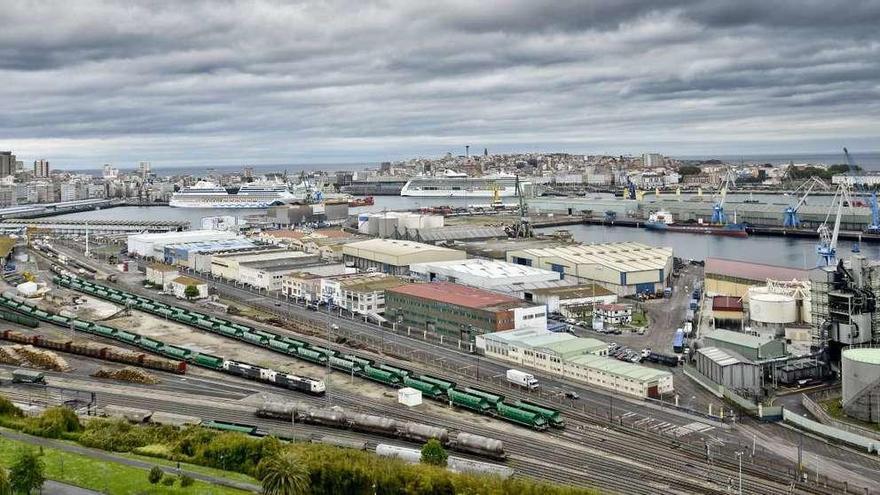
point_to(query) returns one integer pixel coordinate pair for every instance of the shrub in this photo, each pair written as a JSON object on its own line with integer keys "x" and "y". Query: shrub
{"x": 121, "y": 436}
{"x": 155, "y": 475}
{"x": 186, "y": 481}
{"x": 7, "y": 408}
{"x": 433, "y": 453}
{"x": 27, "y": 472}
{"x": 168, "y": 481}
{"x": 53, "y": 423}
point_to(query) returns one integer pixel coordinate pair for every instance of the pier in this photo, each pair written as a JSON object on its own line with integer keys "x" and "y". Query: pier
{"x": 70, "y": 226}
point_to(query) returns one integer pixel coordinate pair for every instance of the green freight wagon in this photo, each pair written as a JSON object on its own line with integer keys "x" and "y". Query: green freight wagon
{"x": 380, "y": 376}
{"x": 521, "y": 416}
{"x": 83, "y": 326}
{"x": 235, "y": 427}
{"x": 206, "y": 360}
{"x": 345, "y": 365}
{"x": 359, "y": 360}
{"x": 129, "y": 337}
{"x": 152, "y": 345}
{"x": 492, "y": 399}
{"x": 323, "y": 350}
{"x": 280, "y": 345}
{"x": 204, "y": 324}
{"x": 427, "y": 389}
{"x": 400, "y": 372}
{"x": 310, "y": 355}
{"x": 39, "y": 313}
{"x": 228, "y": 331}
{"x": 444, "y": 385}
{"x": 20, "y": 319}
{"x": 551, "y": 415}
{"x": 255, "y": 338}
{"x": 59, "y": 320}
{"x": 176, "y": 352}
{"x": 239, "y": 326}
{"x": 468, "y": 401}
{"x": 104, "y": 331}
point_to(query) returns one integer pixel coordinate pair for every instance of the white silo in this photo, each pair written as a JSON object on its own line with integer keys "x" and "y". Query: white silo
{"x": 860, "y": 369}
{"x": 771, "y": 311}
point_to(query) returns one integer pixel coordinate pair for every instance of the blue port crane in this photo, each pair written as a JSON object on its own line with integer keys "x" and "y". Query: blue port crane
{"x": 790, "y": 215}
{"x": 718, "y": 215}
{"x": 827, "y": 248}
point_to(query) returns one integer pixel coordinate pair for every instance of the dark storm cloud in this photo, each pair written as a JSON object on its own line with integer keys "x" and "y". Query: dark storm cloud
{"x": 266, "y": 81}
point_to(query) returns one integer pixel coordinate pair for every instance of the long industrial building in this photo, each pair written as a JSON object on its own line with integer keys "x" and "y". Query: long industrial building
{"x": 494, "y": 275}
{"x": 458, "y": 311}
{"x": 624, "y": 268}
{"x": 577, "y": 359}
{"x": 153, "y": 245}
{"x": 394, "y": 257}
{"x": 734, "y": 278}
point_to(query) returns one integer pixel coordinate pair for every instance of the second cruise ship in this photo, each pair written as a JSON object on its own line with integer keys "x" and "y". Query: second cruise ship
{"x": 457, "y": 185}
{"x": 204, "y": 194}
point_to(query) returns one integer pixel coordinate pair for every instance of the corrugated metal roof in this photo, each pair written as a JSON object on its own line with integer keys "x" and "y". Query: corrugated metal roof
{"x": 723, "y": 357}
{"x": 743, "y": 339}
{"x": 619, "y": 368}
{"x": 753, "y": 271}
{"x": 483, "y": 268}
{"x": 459, "y": 295}
{"x": 619, "y": 256}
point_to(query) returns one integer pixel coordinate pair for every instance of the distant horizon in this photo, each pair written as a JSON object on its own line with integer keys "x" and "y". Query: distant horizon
{"x": 750, "y": 157}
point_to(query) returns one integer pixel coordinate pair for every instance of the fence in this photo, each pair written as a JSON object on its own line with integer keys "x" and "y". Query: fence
{"x": 819, "y": 413}
{"x": 869, "y": 444}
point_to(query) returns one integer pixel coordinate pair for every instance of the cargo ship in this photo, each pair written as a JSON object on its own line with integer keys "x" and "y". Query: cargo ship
{"x": 458, "y": 185}
{"x": 662, "y": 221}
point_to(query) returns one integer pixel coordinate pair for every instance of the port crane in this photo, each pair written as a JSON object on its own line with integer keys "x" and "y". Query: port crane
{"x": 827, "y": 248}
{"x": 790, "y": 216}
{"x": 718, "y": 215}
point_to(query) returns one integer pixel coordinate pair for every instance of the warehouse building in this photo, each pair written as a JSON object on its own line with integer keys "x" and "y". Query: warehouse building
{"x": 183, "y": 254}
{"x": 726, "y": 367}
{"x": 396, "y": 223}
{"x": 458, "y": 311}
{"x": 571, "y": 301}
{"x": 497, "y": 249}
{"x": 733, "y": 278}
{"x": 299, "y": 214}
{"x": 302, "y": 286}
{"x": 178, "y": 287}
{"x": 751, "y": 347}
{"x": 394, "y": 257}
{"x": 495, "y": 275}
{"x": 161, "y": 275}
{"x": 624, "y": 268}
{"x": 267, "y": 274}
{"x": 573, "y": 358}
{"x": 227, "y": 266}
{"x": 153, "y": 245}
{"x": 727, "y": 312}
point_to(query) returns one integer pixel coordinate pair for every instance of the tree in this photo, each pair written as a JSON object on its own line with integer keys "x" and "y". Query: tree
{"x": 186, "y": 481}
{"x": 155, "y": 475}
{"x": 27, "y": 471}
{"x": 191, "y": 292}
{"x": 689, "y": 170}
{"x": 434, "y": 453}
{"x": 283, "y": 474}
{"x": 5, "y": 485}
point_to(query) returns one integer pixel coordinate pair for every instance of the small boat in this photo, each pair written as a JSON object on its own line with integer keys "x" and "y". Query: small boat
{"x": 355, "y": 202}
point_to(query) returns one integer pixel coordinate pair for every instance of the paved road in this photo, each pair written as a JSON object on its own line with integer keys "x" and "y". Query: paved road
{"x": 56, "y": 488}
{"x": 109, "y": 457}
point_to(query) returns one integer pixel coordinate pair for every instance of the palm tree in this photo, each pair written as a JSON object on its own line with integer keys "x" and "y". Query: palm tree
{"x": 283, "y": 474}
{"x": 5, "y": 486}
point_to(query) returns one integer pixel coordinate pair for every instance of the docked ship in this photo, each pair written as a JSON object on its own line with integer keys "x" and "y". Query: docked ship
{"x": 205, "y": 194}
{"x": 663, "y": 221}
{"x": 457, "y": 185}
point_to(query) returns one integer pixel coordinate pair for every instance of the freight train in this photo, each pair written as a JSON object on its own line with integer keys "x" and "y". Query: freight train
{"x": 431, "y": 387}
{"x": 413, "y": 432}
{"x": 217, "y": 363}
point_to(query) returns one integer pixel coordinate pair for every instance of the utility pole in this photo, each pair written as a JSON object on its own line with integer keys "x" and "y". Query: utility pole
{"x": 739, "y": 455}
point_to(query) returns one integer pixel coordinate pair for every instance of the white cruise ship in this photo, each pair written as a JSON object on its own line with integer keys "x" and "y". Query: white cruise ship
{"x": 204, "y": 194}
{"x": 458, "y": 185}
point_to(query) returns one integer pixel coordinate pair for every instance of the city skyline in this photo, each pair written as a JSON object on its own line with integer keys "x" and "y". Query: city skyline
{"x": 342, "y": 82}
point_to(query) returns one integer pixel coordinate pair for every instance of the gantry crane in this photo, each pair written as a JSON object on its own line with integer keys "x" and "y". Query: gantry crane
{"x": 790, "y": 216}
{"x": 874, "y": 226}
{"x": 718, "y": 215}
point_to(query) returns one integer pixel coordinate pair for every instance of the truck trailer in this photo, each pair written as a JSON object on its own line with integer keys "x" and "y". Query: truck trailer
{"x": 522, "y": 379}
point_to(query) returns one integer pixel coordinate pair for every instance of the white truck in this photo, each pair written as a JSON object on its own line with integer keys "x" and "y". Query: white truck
{"x": 522, "y": 379}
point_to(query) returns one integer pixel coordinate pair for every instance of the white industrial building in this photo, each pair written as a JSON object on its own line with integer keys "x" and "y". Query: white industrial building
{"x": 153, "y": 245}
{"x": 392, "y": 223}
{"x": 578, "y": 359}
{"x": 625, "y": 268}
{"x": 496, "y": 275}
{"x": 361, "y": 293}
{"x": 161, "y": 274}
{"x": 860, "y": 394}
{"x": 571, "y": 301}
{"x": 394, "y": 257}
{"x": 267, "y": 274}
{"x": 178, "y": 287}
{"x": 228, "y": 265}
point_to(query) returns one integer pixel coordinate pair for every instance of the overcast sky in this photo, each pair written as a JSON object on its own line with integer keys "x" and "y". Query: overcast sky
{"x": 223, "y": 83}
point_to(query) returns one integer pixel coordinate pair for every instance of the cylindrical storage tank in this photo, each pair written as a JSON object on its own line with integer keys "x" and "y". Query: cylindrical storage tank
{"x": 377, "y": 424}
{"x": 327, "y": 417}
{"x": 479, "y": 444}
{"x": 422, "y": 433}
{"x": 771, "y": 308}
{"x": 860, "y": 368}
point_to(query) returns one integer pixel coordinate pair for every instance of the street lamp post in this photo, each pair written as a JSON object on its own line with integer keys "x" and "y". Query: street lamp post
{"x": 739, "y": 456}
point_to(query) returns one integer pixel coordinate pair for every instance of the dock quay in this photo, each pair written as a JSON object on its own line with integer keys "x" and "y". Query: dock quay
{"x": 70, "y": 226}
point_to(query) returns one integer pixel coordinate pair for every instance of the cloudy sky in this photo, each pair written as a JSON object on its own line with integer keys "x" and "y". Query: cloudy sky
{"x": 227, "y": 82}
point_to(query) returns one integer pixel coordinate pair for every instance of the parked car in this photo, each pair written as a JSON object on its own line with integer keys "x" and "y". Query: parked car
{"x": 572, "y": 395}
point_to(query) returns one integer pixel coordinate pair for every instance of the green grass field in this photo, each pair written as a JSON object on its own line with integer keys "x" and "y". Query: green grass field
{"x": 111, "y": 477}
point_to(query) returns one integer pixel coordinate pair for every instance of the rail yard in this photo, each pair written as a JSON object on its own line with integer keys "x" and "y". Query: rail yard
{"x": 318, "y": 376}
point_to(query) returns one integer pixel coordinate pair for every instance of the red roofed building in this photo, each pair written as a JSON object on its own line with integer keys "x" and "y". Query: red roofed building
{"x": 458, "y": 311}
{"x": 733, "y": 278}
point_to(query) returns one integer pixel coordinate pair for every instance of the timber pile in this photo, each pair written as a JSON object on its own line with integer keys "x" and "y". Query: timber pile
{"x": 9, "y": 356}
{"x": 127, "y": 374}
{"x": 38, "y": 358}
